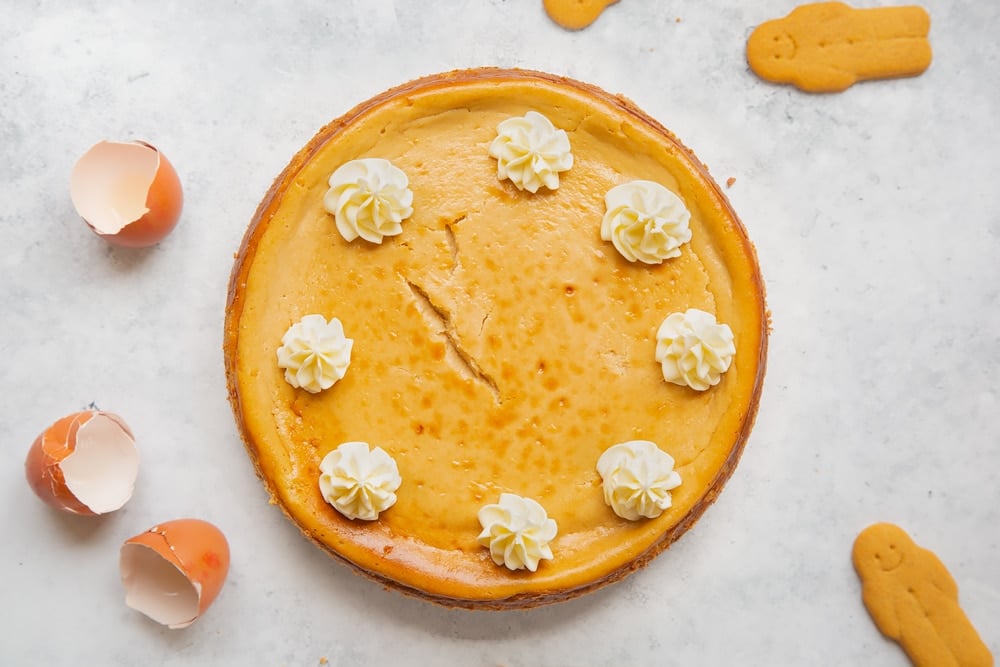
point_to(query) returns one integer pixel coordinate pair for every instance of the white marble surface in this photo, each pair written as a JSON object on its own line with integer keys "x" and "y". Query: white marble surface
{"x": 875, "y": 214}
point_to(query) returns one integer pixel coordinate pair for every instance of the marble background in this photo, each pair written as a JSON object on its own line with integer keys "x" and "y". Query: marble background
{"x": 877, "y": 221}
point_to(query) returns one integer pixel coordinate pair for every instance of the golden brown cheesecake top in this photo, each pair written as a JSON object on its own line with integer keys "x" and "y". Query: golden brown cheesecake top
{"x": 499, "y": 344}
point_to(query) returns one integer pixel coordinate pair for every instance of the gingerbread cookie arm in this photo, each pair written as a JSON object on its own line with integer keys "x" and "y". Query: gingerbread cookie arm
{"x": 827, "y": 46}
{"x": 822, "y": 79}
{"x": 817, "y": 13}
{"x": 881, "y": 606}
{"x": 939, "y": 574}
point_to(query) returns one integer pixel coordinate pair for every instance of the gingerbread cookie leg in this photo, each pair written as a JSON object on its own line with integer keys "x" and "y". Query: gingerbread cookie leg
{"x": 576, "y": 14}
{"x": 913, "y": 600}
{"x": 829, "y": 46}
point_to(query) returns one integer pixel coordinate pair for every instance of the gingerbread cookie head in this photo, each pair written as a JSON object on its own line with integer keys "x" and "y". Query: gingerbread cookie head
{"x": 882, "y": 547}
{"x": 774, "y": 49}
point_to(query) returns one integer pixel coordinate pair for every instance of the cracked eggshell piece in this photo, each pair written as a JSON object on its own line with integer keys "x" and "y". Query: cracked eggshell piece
{"x": 127, "y": 192}
{"x": 173, "y": 571}
{"x": 85, "y": 463}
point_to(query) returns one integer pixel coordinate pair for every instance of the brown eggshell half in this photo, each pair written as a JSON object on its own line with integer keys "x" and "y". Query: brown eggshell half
{"x": 85, "y": 463}
{"x": 127, "y": 192}
{"x": 173, "y": 571}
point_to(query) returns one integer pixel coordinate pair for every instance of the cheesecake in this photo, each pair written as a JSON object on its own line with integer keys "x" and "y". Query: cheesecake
{"x": 498, "y": 337}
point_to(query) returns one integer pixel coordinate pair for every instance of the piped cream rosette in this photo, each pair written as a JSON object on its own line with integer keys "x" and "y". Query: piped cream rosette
{"x": 645, "y": 221}
{"x": 693, "y": 349}
{"x": 638, "y": 477}
{"x": 517, "y": 531}
{"x": 359, "y": 482}
{"x": 531, "y": 151}
{"x": 315, "y": 353}
{"x": 370, "y": 198}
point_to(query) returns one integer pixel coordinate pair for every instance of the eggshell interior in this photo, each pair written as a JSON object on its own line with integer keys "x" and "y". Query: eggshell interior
{"x": 102, "y": 469}
{"x": 110, "y": 183}
{"x": 161, "y": 567}
{"x": 157, "y": 588}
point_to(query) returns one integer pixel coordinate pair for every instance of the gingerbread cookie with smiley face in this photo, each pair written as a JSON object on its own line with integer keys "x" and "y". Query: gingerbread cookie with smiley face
{"x": 913, "y": 600}
{"x": 827, "y": 47}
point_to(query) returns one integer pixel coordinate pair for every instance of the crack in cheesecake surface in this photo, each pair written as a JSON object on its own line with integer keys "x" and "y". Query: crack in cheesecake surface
{"x": 440, "y": 322}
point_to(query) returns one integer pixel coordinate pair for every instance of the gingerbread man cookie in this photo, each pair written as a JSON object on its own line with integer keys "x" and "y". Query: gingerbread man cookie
{"x": 826, "y": 47}
{"x": 913, "y": 600}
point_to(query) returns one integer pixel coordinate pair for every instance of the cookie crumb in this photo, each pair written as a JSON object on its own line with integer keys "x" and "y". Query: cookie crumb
{"x": 323, "y": 660}
{"x": 730, "y": 181}
{"x": 677, "y": 20}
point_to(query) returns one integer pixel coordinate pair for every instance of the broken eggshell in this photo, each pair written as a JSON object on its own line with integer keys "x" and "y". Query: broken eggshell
{"x": 173, "y": 571}
{"x": 127, "y": 192}
{"x": 85, "y": 463}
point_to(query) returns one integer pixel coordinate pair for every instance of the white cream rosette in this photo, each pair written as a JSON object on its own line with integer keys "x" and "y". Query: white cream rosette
{"x": 531, "y": 152}
{"x": 693, "y": 349}
{"x": 638, "y": 477}
{"x": 517, "y": 531}
{"x": 370, "y": 198}
{"x": 359, "y": 482}
{"x": 314, "y": 353}
{"x": 645, "y": 221}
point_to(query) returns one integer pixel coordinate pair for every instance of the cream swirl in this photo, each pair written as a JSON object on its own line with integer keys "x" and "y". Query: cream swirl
{"x": 645, "y": 221}
{"x": 370, "y": 198}
{"x": 359, "y": 482}
{"x": 315, "y": 353}
{"x": 517, "y": 531}
{"x": 638, "y": 477}
{"x": 693, "y": 349}
{"x": 531, "y": 152}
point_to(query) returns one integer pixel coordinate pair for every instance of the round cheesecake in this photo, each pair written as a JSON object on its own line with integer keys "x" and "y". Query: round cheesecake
{"x": 500, "y": 345}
